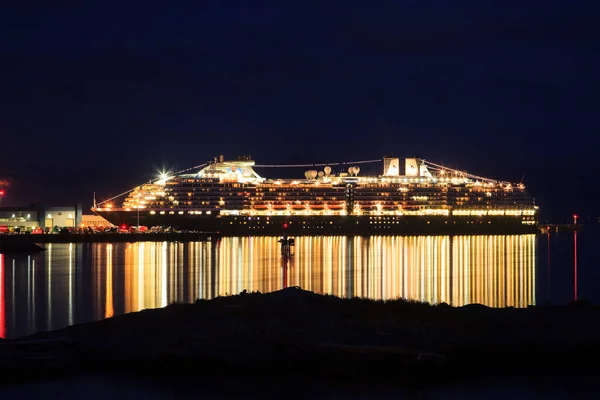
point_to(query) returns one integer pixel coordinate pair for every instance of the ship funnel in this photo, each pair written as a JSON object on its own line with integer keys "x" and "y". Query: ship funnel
{"x": 391, "y": 166}
{"x": 411, "y": 167}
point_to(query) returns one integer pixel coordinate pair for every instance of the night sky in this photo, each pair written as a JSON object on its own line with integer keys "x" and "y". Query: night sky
{"x": 97, "y": 96}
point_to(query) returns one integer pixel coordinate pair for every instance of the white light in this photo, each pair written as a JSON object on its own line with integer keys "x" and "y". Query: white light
{"x": 49, "y": 216}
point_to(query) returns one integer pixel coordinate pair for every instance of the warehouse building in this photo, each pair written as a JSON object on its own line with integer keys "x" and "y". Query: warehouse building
{"x": 32, "y": 216}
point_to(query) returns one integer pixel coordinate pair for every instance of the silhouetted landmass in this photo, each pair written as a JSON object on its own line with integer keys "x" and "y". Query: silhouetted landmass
{"x": 293, "y": 331}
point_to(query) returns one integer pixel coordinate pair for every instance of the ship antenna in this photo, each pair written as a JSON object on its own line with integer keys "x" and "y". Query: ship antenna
{"x": 522, "y": 178}
{"x": 94, "y": 199}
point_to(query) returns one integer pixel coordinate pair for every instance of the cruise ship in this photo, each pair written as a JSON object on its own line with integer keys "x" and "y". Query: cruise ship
{"x": 413, "y": 197}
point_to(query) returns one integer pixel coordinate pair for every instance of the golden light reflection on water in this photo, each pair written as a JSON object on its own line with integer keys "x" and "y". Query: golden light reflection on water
{"x": 75, "y": 283}
{"x": 109, "y": 309}
{"x": 496, "y": 271}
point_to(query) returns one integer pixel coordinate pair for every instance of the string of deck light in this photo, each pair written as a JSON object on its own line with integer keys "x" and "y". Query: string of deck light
{"x": 467, "y": 175}
{"x": 431, "y": 165}
{"x": 116, "y": 197}
{"x": 151, "y": 181}
{"x": 439, "y": 168}
{"x": 257, "y": 166}
{"x": 315, "y": 164}
{"x": 188, "y": 169}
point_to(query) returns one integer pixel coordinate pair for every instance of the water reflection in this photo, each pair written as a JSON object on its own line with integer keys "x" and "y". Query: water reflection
{"x": 2, "y": 312}
{"x": 497, "y": 271}
{"x": 74, "y": 283}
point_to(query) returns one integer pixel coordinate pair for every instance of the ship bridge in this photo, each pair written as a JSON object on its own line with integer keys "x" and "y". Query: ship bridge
{"x": 239, "y": 170}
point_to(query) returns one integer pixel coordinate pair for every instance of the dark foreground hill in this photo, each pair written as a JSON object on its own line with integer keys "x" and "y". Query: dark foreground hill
{"x": 293, "y": 331}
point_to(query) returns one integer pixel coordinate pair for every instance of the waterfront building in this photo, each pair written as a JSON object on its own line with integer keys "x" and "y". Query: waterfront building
{"x": 42, "y": 216}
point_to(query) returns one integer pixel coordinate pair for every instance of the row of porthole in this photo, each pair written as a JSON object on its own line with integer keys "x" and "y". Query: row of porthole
{"x": 340, "y": 227}
{"x": 244, "y": 223}
{"x": 376, "y": 222}
{"x": 304, "y": 227}
{"x": 429, "y": 222}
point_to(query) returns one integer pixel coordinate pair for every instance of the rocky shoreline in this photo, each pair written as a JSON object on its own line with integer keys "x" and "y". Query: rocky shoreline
{"x": 293, "y": 331}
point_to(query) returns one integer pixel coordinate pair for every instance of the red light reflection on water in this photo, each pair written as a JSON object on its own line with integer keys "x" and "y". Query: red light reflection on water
{"x": 575, "y": 264}
{"x": 2, "y": 316}
{"x": 548, "y": 283}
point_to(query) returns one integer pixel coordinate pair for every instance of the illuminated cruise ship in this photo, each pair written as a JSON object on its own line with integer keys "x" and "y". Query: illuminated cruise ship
{"x": 417, "y": 197}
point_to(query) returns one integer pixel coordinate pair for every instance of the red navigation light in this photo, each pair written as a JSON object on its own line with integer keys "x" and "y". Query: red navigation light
{"x": 1, "y": 192}
{"x": 285, "y": 225}
{"x": 123, "y": 226}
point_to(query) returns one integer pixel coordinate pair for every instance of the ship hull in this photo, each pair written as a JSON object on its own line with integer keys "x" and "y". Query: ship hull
{"x": 325, "y": 225}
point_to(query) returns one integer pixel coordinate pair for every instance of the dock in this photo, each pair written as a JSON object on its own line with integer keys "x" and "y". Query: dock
{"x": 113, "y": 237}
{"x": 546, "y": 228}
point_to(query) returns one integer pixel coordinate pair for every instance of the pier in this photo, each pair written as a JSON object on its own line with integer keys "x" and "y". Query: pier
{"x": 545, "y": 228}
{"x": 287, "y": 246}
{"x": 113, "y": 237}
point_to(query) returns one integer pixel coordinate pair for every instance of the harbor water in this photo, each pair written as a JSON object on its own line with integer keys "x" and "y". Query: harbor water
{"x": 80, "y": 282}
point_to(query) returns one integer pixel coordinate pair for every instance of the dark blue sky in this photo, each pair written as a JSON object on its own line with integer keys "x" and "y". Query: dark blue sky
{"x": 95, "y": 96}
